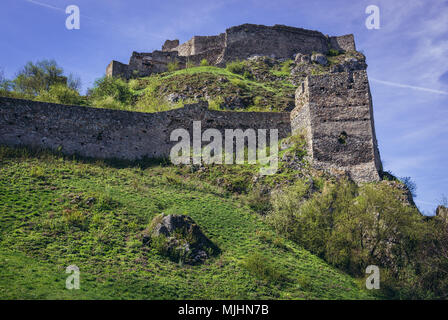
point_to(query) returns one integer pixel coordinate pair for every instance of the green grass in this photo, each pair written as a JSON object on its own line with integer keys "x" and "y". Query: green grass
{"x": 56, "y": 211}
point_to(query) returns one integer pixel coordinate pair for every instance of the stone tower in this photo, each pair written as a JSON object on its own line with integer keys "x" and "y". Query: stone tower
{"x": 335, "y": 111}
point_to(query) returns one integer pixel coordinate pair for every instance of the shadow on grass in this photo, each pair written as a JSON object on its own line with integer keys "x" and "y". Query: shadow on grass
{"x": 24, "y": 152}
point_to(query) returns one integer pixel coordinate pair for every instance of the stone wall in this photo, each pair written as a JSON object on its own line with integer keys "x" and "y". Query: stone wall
{"x": 169, "y": 45}
{"x": 345, "y": 43}
{"x": 239, "y": 42}
{"x": 117, "y": 69}
{"x": 277, "y": 41}
{"x": 103, "y": 133}
{"x": 335, "y": 110}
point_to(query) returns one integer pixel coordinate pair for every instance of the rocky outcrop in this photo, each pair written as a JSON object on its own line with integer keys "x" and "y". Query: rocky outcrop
{"x": 182, "y": 239}
{"x": 442, "y": 213}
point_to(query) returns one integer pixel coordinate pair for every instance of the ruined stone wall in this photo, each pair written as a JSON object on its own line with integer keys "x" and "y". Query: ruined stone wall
{"x": 186, "y": 48}
{"x": 103, "y": 133}
{"x": 279, "y": 41}
{"x": 239, "y": 42}
{"x": 346, "y": 42}
{"x": 117, "y": 69}
{"x": 169, "y": 45}
{"x": 335, "y": 110}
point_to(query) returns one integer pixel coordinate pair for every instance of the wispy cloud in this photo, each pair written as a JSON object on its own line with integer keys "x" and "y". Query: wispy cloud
{"x": 48, "y": 6}
{"x": 401, "y": 85}
{"x": 45, "y": 5}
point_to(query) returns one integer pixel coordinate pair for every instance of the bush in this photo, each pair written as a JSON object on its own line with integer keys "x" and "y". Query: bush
{"x": 60, "y": 94}
{"x": 239, "y": 83}
{"x": 286, "y": 67}
{"x": 216, "y": 103}
{"x": 352, "y": 227}
{"x": 236, "y": 67}
{"x": 189, "y": 64}
{"x": 115, "y": 88}
{"x": 108, "y": 103}
{"x": 173, "y": 66}
{"x": 261, "y": 267}
{"x": 248, "y": 75}
{"x": 204, "y": 62}
{"x": 410, "y": 184}
{"x": 333, "y": 52}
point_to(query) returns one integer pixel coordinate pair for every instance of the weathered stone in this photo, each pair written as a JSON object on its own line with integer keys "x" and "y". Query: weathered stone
{"x": 183, "y": 235}
{"x": 170, "y": 45}
{"x": 239, "y": 42}
{"x": 319, "y": 58}
{"x": 406, "y": 195}
{"x": 109, "y": 134}
{"x": 335, "y": 110}
{"x": 300, "y": 57}
{"x": 442, "y": 213}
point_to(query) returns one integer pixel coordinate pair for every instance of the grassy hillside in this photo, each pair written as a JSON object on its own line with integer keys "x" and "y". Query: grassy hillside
{"x": 56, "y": 211}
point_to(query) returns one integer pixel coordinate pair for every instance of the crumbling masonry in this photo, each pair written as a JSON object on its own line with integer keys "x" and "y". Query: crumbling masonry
{"x": 334, "y": 110}
{"x": 239, "y": 42}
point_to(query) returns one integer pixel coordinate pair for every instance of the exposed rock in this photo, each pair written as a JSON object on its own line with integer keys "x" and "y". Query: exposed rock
{"x": 442, "y": 213}
{"x": 319, "y": 58}
{"x": 406, "y": 196}
{"x": 183, "y": 238}
{"x": 300, "y": 57}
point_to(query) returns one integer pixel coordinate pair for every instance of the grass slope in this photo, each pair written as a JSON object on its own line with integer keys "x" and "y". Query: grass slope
{"x": 48, "y": 222}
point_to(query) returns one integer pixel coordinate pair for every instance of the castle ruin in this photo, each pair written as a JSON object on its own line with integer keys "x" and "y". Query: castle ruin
{"x": 334, "y": 110}
{"x": 237, "y": 43}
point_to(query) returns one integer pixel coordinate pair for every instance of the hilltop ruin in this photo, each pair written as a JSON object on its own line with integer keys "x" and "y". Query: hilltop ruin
{"x": 333, "y": 108}
{"x": 237, "y": 43}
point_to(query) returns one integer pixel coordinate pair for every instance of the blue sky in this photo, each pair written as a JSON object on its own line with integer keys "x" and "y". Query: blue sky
{"x": 407, "y": 57}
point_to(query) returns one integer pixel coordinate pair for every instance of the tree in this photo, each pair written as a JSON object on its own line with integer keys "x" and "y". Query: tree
{"x": 34, "y": 78}
{"x": 4, "y": 83}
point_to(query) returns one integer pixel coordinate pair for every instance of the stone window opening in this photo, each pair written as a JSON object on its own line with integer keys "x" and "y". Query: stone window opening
{"x": 342, "y": 138}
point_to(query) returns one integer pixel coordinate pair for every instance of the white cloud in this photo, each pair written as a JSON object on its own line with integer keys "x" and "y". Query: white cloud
{"x": 401, "y": 85}
{"x": 45, "y": 5}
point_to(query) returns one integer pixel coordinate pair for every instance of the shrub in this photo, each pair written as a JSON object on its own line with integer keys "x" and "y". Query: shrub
{"x": 261, "y": 267}
{"x": 410, "y": 184}
{"x": 352, "y": 227}
{"x": 173, "y": 66}
{"x": 190, "y": 64}
{"x": 333, "y": 52}
{"x": 216, "y": 103}
{"x": 286, "y": 66}
{"x": 239, "y": 83}
{"x": 60, "y": 94}
{"x": 115, "y": 88}
{"x": 108, "y": 103}
{"x": 248, "y": 75}
{"x": 204, "y": 62}
{"x": 259, "y": 201}
{"x": 236, "y": 67}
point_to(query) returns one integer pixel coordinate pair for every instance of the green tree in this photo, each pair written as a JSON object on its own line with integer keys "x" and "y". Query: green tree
{"x": 111, "y": 87}
{"x": 4, "y": 83}
{"x": 34, "y": 78}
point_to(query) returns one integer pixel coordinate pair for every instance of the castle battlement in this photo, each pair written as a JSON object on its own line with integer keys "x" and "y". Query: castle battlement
{"x": 334, "y": 109}
{"x": 237, "y": 43}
